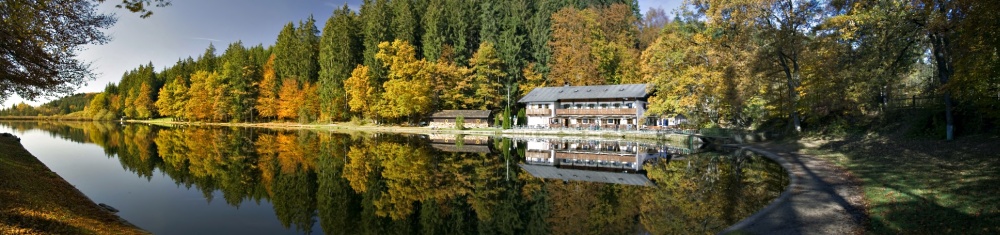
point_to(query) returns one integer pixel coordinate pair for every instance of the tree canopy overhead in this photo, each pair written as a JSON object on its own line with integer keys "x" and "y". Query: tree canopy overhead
{"x": 41, "y": 40}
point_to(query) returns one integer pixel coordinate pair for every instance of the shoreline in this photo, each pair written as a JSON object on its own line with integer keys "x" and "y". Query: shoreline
{"x": 35, "y": 200}
{"x": 512, "y": 133}
{"x": 349, "y": 127}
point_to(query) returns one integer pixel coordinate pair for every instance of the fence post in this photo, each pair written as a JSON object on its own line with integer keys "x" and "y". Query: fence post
{"x": 913, "y": 102}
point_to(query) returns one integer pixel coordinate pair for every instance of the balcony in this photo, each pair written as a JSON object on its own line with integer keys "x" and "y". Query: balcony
{"x": 595, "y": 111}
{"x": 538, "y": 112}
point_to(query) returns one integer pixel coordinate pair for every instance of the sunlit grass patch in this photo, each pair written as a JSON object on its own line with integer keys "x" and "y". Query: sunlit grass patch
{"x": 923, "y": 186}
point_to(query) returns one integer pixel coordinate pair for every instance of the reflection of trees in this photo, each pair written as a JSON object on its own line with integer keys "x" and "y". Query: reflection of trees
{"x": 387, "y": 184}
{"x": 705, "y": 194}
{"x": 289, "y": 170}
{"x": 588, "y": 207}
{"x": 403, "y": 177}
{"x": 407, "y": 173}
{"x": 338, "y": 205}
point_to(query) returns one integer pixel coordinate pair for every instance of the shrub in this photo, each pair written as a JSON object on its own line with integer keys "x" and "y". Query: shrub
{"x": 460, "y": 123}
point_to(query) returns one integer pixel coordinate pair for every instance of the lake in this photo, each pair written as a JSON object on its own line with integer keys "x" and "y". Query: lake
{"x": 237, "y": 180}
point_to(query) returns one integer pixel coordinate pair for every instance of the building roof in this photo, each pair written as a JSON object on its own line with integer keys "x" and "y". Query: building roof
{"x": 551, "y": 172}
{"x": 463, "y": 113}
{"x": 548, "y": 94}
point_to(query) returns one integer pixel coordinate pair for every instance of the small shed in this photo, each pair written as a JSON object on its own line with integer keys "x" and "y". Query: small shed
{"x": 472, "y": 118}
{"x": 676, "y": 120}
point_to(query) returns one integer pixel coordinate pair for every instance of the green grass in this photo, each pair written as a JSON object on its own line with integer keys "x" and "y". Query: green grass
{"x": 162, "y": 119}
{"x": 922, "y": 186}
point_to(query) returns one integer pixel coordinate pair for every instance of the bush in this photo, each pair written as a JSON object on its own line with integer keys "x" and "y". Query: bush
{"x": 506, "y": 118}
{"x": 358, "y": 121}
{"x": 460, "y": 123}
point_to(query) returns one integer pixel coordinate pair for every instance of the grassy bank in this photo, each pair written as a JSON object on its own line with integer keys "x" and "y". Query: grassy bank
{"x": 343, "y": 126}
{"x": 921, "y": 186}
{"x": 34, "y": 200}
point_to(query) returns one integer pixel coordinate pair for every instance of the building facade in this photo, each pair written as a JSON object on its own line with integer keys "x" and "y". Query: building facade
{"x": 471, "y": 118}
{"x": 601, "y": 106}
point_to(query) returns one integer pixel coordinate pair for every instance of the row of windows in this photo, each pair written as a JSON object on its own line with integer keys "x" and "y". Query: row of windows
{"x": 589, "y": 106}
{"x": 592, "y": 162}
{"x": 591, "y": 121}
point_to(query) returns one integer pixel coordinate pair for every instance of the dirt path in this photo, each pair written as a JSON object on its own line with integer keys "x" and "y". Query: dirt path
{"x": 822, "y": 198}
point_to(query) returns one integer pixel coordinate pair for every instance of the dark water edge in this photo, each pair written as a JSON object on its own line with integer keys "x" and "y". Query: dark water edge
{"x": 227, "y": 180}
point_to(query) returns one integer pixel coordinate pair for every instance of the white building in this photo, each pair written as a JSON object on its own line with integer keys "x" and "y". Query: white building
{"x": 602, "y": 106}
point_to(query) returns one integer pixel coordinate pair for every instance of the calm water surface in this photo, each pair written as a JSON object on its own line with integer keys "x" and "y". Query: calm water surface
{"x": 220, "y": 180}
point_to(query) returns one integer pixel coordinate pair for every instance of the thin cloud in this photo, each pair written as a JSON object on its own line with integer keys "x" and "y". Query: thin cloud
{"x": 352, "y": 6}
{"x": 206, "y": 39}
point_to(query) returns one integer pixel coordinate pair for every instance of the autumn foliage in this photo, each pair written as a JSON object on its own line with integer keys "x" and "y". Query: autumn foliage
{"x": 778, "y": 64}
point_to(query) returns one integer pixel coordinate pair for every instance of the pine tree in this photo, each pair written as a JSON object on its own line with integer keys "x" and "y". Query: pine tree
{"x": 340, "y": 52}
{"x": 285, "y": 50}
{"x": 238, "y": 73}
{"x": 435, "y": 27}
{"x": 377, "y": 18}
{"x": 405, "y": 21}
{"x": 307, "y": 51}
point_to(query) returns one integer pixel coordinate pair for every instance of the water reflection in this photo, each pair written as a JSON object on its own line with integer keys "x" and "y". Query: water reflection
{"x": 603, "y": 161}
{"x": 409, "y": 184}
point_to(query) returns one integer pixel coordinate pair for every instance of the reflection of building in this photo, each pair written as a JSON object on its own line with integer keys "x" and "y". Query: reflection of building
{"x": 460, "y": 143}
{"x": 592, "y": 161}
{"x": 603, "y": 106}
{"x": 471, "y": 118}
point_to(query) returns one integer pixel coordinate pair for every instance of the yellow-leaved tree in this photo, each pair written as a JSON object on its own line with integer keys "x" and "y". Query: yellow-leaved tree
{"x": 487, "y": 72}
{"x": 144, "y": 102}
{"x": 267, "y": 101}
{"x": 201, "y": 101}
{"x": 289, "y": 100}
{"x": 407, "y": 93}
{"x": 360, "y": 92}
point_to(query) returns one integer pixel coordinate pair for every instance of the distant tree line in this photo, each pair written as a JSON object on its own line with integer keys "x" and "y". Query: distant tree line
{"x": 62, "y": 106}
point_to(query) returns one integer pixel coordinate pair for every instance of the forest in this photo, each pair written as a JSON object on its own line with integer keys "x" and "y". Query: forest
{"x": 777, "y": 64}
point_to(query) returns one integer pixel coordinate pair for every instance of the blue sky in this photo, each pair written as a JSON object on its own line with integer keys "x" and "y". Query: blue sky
{"x": 187, "y": 27}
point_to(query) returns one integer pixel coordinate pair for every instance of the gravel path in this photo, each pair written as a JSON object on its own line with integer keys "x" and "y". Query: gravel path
{"x": 822, "y": 198}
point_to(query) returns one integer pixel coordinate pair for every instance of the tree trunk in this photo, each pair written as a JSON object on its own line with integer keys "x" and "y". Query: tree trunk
{"x": 791, "y": 78}
{"x": 942, "y": 56}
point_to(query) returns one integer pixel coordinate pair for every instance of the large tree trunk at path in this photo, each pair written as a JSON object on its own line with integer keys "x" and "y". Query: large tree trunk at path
{"x": 791, "y": 78}
{"x": 942, "y": 55}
